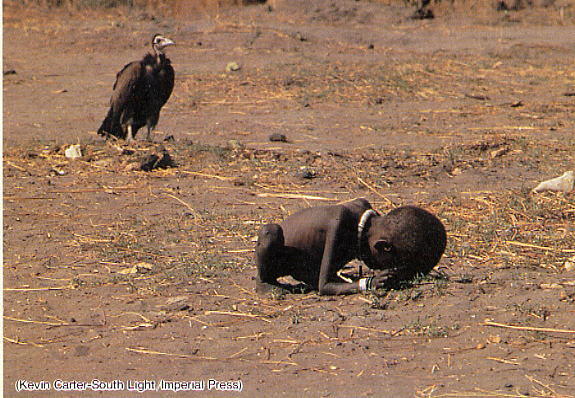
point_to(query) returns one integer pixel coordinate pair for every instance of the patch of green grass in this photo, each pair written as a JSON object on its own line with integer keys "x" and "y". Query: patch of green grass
{"x": 205, "y": 264}
{"x": 530, "y": 310}
{"x": 219, "y": 151}
{"x": 425, "y": 328}
{"x": 377, "y": 302}
{"x": 408, "y": 294}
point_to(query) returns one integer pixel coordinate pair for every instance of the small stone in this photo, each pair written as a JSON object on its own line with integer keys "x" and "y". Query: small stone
{"x": 90, "y": 335}
{"x": 299, "y": 36}
{"x": 479, "y": 97}
{"x": 103, "y": 162}
{"x": 235, "y": 145}
{"x": 422, "y": 13}
{"x": 140, "y": 268}
{"x": 149, "y": 162}
{"x": 143, "y": 267}
{"x": 570, "y": 264}
{"x": 53, "y": 149}
{"x": 306, "y": 172}
{"x": 494, "y": 339}
{"x": 177, "y": 303}
{"x": 58, "y": 172}
{"x": 233, "y": 67}
{"x": 153, "y": 161}
{"x": 277, "y": 137}
{"x": 498, "y": 152}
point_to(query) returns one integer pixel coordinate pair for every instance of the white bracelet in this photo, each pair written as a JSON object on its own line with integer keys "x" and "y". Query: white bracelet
{"x": 363, "y": 284}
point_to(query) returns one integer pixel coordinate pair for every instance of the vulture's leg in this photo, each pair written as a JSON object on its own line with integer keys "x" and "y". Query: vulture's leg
{"x": 149, "y": 134}
{"x": 130, "y": 136}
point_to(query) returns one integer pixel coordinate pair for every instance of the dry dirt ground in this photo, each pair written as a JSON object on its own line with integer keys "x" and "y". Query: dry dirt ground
{"x": 112, "y": 273}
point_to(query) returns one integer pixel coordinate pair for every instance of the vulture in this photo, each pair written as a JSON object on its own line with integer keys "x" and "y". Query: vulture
{"x": 141, "y": 89}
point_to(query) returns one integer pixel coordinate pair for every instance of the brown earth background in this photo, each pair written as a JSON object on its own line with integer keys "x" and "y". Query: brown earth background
{"x": 115, "y": 273}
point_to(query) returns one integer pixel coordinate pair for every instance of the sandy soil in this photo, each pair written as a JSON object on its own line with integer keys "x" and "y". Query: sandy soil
{"x": 116, "y": 274}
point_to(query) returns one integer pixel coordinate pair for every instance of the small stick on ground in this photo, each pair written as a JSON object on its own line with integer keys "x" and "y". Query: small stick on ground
{"x": 237, "y": 353}
{"x": 293, "y": 196}
{"x": 141, "y": 350}
{"x": 50, "y": 324}
{"x": 528, "y": 328}
{"x": 506, "y": 361}
{"x": 192, "y": 210}
{"x": 32, "y": 289}
{"x": 197, "y": 173}
{"x": 367, "y": 329}
{"x": 16, "y": 166}
{"x": 237, "y": 314}
{"x": 511, "y": 242}
{"x": 279, "y": 363}
{"x": 372, "y": 189}
{"x": 18, "y": 341}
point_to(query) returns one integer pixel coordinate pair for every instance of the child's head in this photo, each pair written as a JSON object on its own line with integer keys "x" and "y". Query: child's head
{"x": 407, "y": 241}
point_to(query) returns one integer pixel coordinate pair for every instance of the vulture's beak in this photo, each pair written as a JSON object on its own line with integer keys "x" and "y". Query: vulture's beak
{"x": 166, "y": 43}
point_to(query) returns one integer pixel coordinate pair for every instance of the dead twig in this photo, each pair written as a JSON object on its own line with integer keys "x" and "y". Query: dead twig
{"x": 506, "y": 361}
{"x": 279, "y": 363}
{"x": 27, "y": 198}
{"x": 106, "y": 189}
{"x": 372, "y": 189}
{"x": 528, "y": 328}
{"x": 529, "y": 245}
{"x": 18, "y": 341}
{"x": 293, "y": 196}
{"x": 367, "y": 329}
{"x": 242, "y": 314}
{"x": 237, "y": 353}
{"x": 15, "y": 166}
{"x": 192, "y": 210}
{"x": 32, "y": 289}
{"x": 50, "y": 324}
{"x": 141, "y": 350}
{"x": 197, "y": 173}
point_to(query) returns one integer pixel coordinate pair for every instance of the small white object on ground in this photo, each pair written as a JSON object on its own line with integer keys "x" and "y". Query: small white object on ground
{"x": 232, "y": 67}
{"x": 140, "y": 268}
{"x": 570, "y": 264}
{"x": 559, "y": 184}
{"x": 73, "y": 152}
